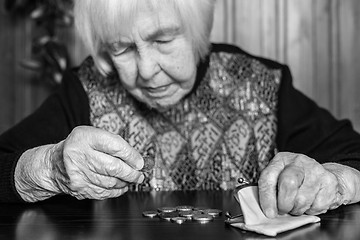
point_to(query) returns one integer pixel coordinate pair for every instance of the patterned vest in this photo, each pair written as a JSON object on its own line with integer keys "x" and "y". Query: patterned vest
{"x": 223, "y": 130}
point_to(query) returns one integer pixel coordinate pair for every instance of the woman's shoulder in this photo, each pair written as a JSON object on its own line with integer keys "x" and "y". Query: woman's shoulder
{"x": 236, "y": 50}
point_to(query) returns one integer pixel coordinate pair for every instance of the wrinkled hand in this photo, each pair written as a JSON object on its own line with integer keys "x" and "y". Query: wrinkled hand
{"x": 93, "y": 163}
{"x": 296, "y": 184}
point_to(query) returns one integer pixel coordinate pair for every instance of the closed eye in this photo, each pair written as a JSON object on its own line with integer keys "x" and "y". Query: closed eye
{"x": 128, "y": 49}
{"x": 163, "y": 41}
{"x": 116, "y": 49}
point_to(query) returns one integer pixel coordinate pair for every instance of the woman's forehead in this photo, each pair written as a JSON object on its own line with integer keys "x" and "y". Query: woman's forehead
{"x": 117, "y": 18}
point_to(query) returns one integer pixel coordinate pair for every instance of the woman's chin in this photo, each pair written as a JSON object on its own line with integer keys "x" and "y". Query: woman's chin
{"x": 163, "y": 104}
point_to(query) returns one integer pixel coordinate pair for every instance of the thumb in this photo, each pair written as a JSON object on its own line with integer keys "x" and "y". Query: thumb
{"x": 268, "y": 183}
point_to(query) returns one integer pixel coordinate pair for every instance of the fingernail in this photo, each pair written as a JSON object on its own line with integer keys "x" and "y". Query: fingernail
{"x": 139, "y": 164}
{"x": 141, "y": 178}
{"x": 270, "y": 213}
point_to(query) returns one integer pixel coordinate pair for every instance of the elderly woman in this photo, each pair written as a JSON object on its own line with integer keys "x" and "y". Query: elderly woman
{"x": 157, "y": 107}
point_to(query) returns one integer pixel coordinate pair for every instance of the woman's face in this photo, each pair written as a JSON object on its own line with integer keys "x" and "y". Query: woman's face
{"x": 155, "y": 59}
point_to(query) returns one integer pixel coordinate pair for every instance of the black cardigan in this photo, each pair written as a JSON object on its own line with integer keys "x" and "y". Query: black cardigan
{"x": 303, "y": 127}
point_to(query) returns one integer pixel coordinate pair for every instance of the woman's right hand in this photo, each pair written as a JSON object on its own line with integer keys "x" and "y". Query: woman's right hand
{"x": 89, "y": 163}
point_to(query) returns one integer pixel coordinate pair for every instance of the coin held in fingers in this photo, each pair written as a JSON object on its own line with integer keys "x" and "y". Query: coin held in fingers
{"x": 149, "y": 160}
{"x": 149, "y": 164}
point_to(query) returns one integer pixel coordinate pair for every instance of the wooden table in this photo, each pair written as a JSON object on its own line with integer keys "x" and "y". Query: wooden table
{"x": 66, "y": 218}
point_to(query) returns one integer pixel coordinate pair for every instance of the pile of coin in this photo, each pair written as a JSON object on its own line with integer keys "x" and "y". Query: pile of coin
{"x": 181, "y": 214}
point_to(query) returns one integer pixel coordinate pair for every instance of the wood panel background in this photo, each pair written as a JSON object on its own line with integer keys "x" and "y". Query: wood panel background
{"x": 318, "y": 39}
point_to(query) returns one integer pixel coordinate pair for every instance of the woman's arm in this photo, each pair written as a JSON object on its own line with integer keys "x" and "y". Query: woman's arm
{"x": 49, "y": 124}
{"x": 304, "y": 127}
{"x": 317, "y": 167}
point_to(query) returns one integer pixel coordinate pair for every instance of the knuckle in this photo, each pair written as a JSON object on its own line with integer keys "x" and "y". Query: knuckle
{"x": 76, "y": 190}
{"x": 316, "y": 210}
{"x": 77, "y": 134}
{"x": 334, "y": 205}
{"x": 77, "y": 131}
{"x": 97, "y": 181}
{"x": 289, "y": 183}
{"x": 329, "y": 179}
{"x": 281, "y": 154}
{"x": 111, "y": 184}
{"x": 303, "y": 158}
{"x": 298, "y": 212}
{"x": 117, "y": 170}
{"x": 75, "y": 185}
{"x": 301, "y": 201}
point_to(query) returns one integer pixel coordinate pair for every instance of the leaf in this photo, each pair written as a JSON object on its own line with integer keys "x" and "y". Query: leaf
{"x": 31, "y": 64}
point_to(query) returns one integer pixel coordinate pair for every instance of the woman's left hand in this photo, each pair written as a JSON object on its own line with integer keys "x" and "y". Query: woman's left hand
{"x": 297, "y": 184}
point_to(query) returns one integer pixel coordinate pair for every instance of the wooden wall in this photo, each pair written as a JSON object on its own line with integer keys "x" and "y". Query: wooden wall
{"x": 318, "y": 39}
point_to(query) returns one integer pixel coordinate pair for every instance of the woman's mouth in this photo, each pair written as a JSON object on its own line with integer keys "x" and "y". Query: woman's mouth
{"x": 158, "y": 92}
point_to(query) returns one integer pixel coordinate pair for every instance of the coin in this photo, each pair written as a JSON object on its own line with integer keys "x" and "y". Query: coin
{"x": 184, "y": 208}
{"x": 168, "y": 215}
{"x": 187, "y": 214}
{"x": 178, "y": 220}
{"x": 197, "y": 212}
{"x": 202, "y": 218}
{"x": 149, "y": 163}
{"x": 167, "y": 209}
{"x": 149, "y": 159}
{"x": 150, "y": 214}
{"x": 199, "y": 209}
{"x": 213, "y": 212}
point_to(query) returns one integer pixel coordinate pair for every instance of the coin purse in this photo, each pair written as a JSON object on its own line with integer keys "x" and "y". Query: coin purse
{"x": 255, "y": 220}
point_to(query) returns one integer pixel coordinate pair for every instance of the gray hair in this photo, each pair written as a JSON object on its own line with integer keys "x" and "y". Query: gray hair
{"x": 98, "y": 20}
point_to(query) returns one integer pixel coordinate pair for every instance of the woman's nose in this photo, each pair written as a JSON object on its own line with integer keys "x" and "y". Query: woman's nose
{"x": 148, "y": 65}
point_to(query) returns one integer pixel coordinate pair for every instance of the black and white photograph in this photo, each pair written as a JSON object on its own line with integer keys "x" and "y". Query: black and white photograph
{"x": 179, "y": 119}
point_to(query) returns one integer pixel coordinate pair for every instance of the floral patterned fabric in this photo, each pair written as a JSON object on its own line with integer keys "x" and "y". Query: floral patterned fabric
{"x": 223, "y": 130}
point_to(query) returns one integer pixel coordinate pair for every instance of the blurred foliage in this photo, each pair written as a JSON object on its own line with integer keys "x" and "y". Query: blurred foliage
{"x": 50, "y": 57}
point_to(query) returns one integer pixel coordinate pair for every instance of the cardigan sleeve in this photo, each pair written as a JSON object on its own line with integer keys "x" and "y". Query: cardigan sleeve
{"x": 67, "y": 108}
{"x": 304, "y": 127}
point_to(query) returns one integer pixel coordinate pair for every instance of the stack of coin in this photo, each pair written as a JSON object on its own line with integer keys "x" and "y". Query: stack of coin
{"x": 183, "y": 213}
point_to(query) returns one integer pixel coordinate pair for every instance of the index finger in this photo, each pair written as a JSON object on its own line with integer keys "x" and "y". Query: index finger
{"x": 268, "y": 183}
{"x": 107, "y": 165}
{"x": 116, "y": 146}
{"x": 289, "y": 182}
